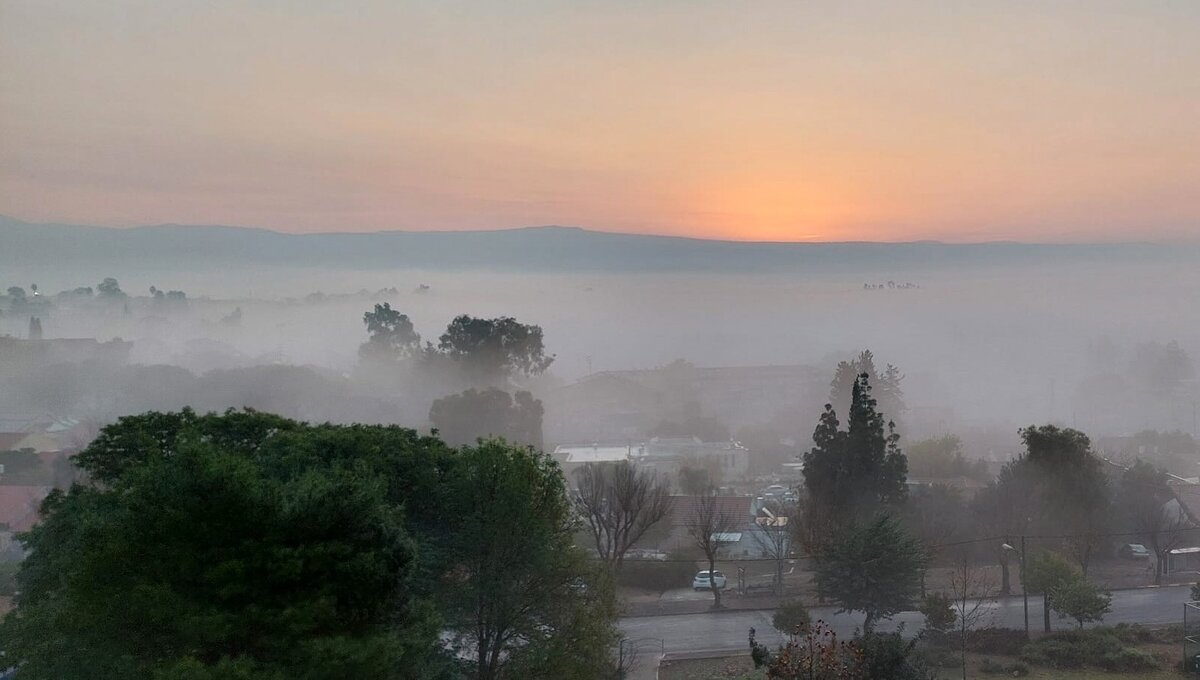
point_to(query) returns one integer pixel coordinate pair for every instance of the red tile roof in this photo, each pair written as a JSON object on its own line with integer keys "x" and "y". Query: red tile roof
{"x": 19, "y": 505}
{"x": 684, "y": 508}
{"x": 8, "y": 440}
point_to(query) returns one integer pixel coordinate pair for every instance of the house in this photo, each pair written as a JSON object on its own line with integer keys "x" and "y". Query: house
{"x": 662, "y": 455}
{"x": 1184, "y": 511}
{"x": 617, "y": 405}
{"x": 571, "y": 458}
{"x": 675, "y": 534}
{"x": 727, "y": 460}
{"x": 19, "y": 507}
{"x": 36, "y": 451}
{"x": 18, "y": 355}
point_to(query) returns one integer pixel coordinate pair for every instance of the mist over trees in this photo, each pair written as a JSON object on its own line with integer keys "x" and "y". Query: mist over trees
{"x": 516, "y": 364}
{"x": 462, "y": 418}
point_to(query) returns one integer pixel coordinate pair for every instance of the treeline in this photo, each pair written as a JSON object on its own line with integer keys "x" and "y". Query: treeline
{"x": 470, "y": 379}
{"x": 247, "y": 545}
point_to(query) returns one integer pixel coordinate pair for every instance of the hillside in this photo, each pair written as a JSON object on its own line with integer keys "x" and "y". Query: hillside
{"x": 550, "y": 249}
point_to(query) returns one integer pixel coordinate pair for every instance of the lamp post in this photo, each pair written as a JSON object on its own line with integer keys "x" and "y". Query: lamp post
{"x": 1024, "y": 588}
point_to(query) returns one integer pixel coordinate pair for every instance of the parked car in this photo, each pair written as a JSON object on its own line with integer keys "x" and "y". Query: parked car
{"x": 703, "y": 582}
{"x": 1133, "y": 551}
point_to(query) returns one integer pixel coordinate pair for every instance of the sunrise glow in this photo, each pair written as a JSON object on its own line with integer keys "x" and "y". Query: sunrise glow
{"x": 796, "y": 121}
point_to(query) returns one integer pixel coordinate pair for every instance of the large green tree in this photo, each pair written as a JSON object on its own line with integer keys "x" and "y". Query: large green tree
{"x": 1044, "y": 573}
{"x": 246, "y": 545}
{"x": 1144, "y": 499}
{"x": 518, "y": 591}
{"x": 391, "y": 336}
{"x": 874, "y": 568}
{"x": 490, "y": 351}
{"x": 210, "y": 564}
{"x": 1073, "y": 495}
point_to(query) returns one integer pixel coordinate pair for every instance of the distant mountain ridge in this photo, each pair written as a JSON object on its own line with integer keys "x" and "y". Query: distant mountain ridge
{"x": 549, "y": 249}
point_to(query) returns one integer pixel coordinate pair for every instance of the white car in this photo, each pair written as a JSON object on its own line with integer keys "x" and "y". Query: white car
{"x": 703, "y": 582}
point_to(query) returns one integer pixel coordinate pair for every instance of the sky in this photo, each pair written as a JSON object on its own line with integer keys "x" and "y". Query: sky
{"x": 792, "y": 121}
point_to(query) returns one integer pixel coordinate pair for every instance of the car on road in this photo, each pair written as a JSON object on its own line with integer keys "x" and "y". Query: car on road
{"x": 704, "y": 582}
{"x": 1134, "y": 551}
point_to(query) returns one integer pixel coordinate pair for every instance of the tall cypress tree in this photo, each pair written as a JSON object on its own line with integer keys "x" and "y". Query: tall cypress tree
{"x": 852, "y": 473}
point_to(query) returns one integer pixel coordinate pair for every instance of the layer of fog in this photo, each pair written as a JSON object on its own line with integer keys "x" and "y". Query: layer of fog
{"x": 985, "y": 348}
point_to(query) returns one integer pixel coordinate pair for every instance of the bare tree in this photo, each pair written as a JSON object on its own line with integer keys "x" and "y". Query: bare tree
{"x": 774, "y": 537}
{"x": 973, "y": 590}
{"x": 708, "y": 522}
{"x": 1162, "y": 529}
{"x": 619, "y": 503}
{"x": 1152, "y": 511}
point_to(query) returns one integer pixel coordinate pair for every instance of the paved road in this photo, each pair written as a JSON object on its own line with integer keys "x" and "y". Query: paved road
{"x": 727, "y": 630}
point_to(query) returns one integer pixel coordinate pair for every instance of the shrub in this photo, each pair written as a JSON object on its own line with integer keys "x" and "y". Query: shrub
{"x": 939, "y": 612}
{"x": 1081, "y": 600}
{"x": 1002, "y": 641}
{"x": 657, "y": 575}
{"x": 1132, "y": 633}
{"x": 1056, "y": 653}
{"x": 1016, "y": 670}
{"x": 889, "y": 655}
{"x": 941, "y": 657}
{"x": 790, "y": 616}
{"x": 1127, "y": 660}
{"x": 1097, "y": 647}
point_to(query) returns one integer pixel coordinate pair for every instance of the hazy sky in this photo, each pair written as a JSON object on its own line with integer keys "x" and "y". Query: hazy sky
{"x": 965, "y": 121}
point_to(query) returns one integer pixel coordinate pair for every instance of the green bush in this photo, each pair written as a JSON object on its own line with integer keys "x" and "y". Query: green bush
{"x": 992, "y": 667}
{"x": 1096, "y": 647}
{"x": 1127, "y": 660}
{"x": 790, "y": 616}
{"x": 939, "y": 612}
{"x": 657, "y": 575}
{"x": 1002, "y": 641}
{"x": 891, "y": 656}
{"x": 1057, "y": 653}
{"x": 942, "y": 657}
{"x": 1132, "y": 633}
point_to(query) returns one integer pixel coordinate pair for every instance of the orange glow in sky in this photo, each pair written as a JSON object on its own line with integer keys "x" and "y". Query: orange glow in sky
{"x": 1065, "y": 121}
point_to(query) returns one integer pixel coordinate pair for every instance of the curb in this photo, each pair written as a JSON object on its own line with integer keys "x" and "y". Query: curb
{"x": 771, "y": 608}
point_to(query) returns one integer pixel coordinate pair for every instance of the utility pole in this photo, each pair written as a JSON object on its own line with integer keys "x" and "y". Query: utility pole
{"x": 1024, "y": 588}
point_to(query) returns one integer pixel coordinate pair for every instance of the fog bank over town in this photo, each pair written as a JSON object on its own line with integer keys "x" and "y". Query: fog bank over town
{"x": 989, "y": 337}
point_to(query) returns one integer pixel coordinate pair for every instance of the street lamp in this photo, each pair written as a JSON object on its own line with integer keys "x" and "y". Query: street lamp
{"x": 1024, "y": 588}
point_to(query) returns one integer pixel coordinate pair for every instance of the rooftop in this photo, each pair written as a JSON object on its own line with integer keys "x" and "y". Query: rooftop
{"x": 594, "y": 453}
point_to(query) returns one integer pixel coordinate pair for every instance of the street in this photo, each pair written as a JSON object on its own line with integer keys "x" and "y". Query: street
{"x": 727, "y": 630}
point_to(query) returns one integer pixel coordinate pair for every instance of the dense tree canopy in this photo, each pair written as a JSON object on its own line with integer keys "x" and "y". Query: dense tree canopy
{"x": 246, "y": 545}
{"x": 491, "y": 350}
{"x": 874, "y": 568}
{"x": 391, "y": 335}
{"x": 209, "y": 564}
{"x": 462, "y": 418}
